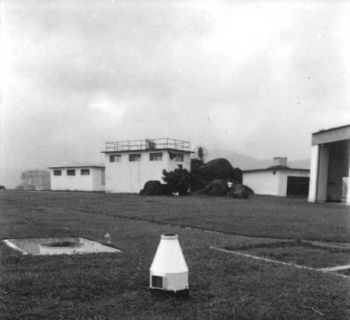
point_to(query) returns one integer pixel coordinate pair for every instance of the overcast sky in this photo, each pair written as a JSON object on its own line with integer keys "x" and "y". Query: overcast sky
{"x": 254, "y": 77}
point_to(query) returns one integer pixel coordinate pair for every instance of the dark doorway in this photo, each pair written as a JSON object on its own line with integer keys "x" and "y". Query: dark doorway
{"x": 298, "y": 186}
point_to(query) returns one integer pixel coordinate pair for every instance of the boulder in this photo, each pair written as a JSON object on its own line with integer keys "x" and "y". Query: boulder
{"x": 217, "y": 187}
{"x": 240, "y": 191}
{"x": 155, "y": 188}
{"x": 220, "y": 169}
{"x": 152, "y": 188}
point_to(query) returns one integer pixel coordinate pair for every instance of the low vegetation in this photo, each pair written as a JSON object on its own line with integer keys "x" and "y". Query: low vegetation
{"x": 115, "y": 286}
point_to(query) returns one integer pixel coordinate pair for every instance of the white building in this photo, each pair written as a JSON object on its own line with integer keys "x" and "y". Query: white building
{"x": 78, "y": 178}
{"x": 130, "y": 164}
{"x": 278, "y": 180}
{"x": 330, "y": 165}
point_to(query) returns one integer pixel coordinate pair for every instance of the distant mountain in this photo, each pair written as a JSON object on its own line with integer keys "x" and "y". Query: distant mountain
{"x": 245, "y": 162}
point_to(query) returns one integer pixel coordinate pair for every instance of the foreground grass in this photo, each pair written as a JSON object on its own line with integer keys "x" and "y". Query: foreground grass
{"x": 115, "y": 286}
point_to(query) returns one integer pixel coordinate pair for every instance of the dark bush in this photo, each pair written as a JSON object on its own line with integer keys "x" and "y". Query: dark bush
{"x": 165, "y": 189}
{"x": 198, "y": 181}
{"x": 179, "y": 180}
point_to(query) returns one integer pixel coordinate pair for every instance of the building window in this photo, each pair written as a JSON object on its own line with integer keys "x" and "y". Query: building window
{"x": 158, "y": 156}
{"x": 85, "y": 172}
{"x": 134, "y": 157}
{"x": 57, "y": 172}
{"x": 71, "y": 172}
{"x": 176, "y": 156}
{"x": 115, "y": 158}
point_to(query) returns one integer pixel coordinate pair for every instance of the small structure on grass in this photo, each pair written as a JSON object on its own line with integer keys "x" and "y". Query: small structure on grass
{"x": 58, "y": 246}
{"x": 35, "y": 180}
{"x": 330, "y": 165}
{"x": 278, "y": 179}
{"x": 78, "y": 177}
{"x": 169, "y": 270}
{"x": 130, "y": 164}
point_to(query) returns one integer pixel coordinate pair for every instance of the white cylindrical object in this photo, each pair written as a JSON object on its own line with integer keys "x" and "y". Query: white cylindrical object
{"x": 169, "y": 270}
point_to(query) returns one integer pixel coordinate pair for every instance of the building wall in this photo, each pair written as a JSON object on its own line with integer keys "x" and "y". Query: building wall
{"x": 130, "y": 177}
{"x": 314, "y": 167}
{"x": 262, "y": 182}
{"x": 271, "y": 182}
{"x": 98, "y": 179}
{"x": 91, "y": 182}
{"x": 330, "y": 163}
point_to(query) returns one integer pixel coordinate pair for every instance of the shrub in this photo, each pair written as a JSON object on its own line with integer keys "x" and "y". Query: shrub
{"x": 178, "y": 180}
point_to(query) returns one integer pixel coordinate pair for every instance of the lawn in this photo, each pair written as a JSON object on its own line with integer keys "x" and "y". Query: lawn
{"x": 302, "y": 254}
{"x": 115, "y": 286}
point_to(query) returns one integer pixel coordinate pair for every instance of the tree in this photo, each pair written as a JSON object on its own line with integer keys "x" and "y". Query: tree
{"x": 178, "y": 180}
{"x": 198, "y": 182}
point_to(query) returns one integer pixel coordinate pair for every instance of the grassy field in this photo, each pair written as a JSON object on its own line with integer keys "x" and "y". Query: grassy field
{"x": 115, "y": 286}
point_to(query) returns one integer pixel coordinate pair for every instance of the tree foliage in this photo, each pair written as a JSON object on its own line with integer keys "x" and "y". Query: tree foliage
{"x": 178, "y": 180}
{"x": 198, "y": 181}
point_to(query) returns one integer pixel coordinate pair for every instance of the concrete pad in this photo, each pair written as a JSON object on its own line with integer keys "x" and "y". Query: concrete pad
{"x": 58, "y": 246}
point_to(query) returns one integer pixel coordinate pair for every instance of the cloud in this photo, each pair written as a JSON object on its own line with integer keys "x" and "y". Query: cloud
{"x": 255, "y": 77}
{"x": 106, "y": 105}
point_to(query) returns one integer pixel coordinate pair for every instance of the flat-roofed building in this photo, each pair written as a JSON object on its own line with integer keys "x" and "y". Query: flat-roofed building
{"x": 278, "y": 179}
{"x": 330, "y": 165}
{"x": 130, "y": 164}
{"x": 77, "y": 177}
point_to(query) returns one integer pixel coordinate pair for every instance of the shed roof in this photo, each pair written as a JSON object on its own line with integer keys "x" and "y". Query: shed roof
{"x": 331, "y": 135}
{"x": 147, "y": 145}
{"x": 146, "y": 150}
{"x": 78, "y": 166}
{"x": 277, "y": 168}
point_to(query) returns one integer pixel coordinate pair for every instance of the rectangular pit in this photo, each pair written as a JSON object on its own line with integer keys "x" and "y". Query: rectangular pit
{"x": 58, "y": 246}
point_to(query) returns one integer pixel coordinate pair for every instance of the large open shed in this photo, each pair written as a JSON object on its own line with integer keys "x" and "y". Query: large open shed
{"x": 330, "y": 164}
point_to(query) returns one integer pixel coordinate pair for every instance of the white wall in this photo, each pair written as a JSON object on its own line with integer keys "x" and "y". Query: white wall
{"x": 91, "y": 182}
{"x": 262, "y": 182}
{"x": 322, "y": 179}
{"x": 266, "y": 182}
{"x": 98, "y": 179}
{"x": 130, "y": 177}
{"x": 313, "y": 173}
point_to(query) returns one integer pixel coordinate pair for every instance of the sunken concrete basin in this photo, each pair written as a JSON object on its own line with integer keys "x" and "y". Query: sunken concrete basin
{"x": 58, "y": 246}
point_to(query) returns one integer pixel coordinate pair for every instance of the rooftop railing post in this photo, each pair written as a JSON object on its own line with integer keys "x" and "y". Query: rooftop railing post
{"x": 161, "y": 143}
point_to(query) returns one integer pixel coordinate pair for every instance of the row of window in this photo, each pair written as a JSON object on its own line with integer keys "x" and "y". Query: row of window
{"x": 71, "y": 172}
{"x": 154, "y": 156}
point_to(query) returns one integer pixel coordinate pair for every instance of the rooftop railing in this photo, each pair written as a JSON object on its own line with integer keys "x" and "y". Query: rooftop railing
{"x": 147, "y": 144}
